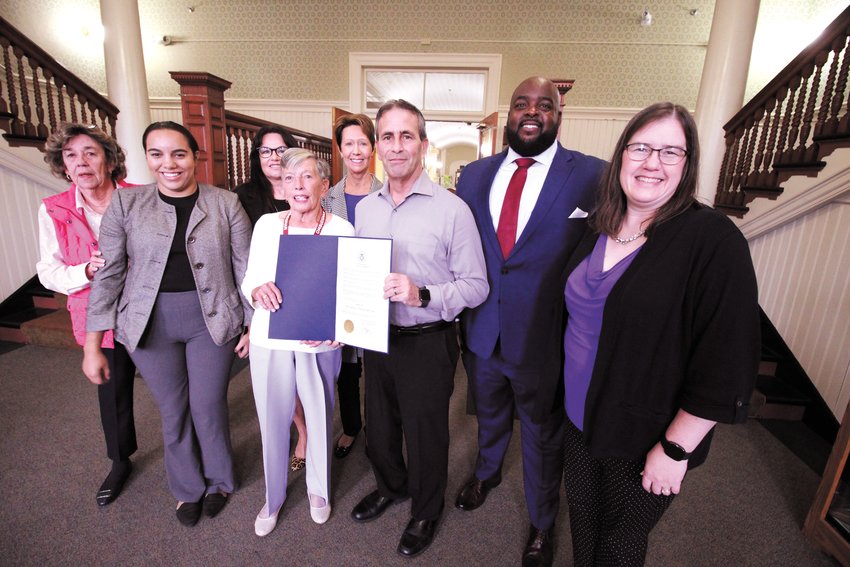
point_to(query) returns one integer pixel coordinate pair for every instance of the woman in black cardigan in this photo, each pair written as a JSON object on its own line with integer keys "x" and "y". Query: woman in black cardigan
{"x": 662, "y": 339}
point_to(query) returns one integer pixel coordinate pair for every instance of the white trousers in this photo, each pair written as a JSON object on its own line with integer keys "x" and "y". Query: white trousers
{"x": 277, "y": 376}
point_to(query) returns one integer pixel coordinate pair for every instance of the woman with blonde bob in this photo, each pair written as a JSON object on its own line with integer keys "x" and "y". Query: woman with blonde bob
{"x": 283, "y": 369}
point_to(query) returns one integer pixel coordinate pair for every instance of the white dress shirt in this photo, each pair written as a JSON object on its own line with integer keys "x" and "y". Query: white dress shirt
{"x": 52, "y": 270}
{"x": 531, "y": 191}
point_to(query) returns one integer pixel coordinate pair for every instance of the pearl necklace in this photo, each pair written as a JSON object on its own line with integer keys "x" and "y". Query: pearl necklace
{"x": 632, "y": 238}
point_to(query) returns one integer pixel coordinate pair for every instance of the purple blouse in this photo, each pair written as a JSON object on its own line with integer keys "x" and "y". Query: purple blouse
{"x": 351, "y": 204}
{"x": 585, "y": 294}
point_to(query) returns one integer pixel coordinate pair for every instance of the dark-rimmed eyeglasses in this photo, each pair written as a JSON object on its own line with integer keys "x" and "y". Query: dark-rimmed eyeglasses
{"x": 266, "y": 151}
{"x": 668, "y": 155}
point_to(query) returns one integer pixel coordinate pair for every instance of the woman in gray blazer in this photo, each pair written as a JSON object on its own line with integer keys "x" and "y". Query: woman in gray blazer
{"x": 174, "y": 252}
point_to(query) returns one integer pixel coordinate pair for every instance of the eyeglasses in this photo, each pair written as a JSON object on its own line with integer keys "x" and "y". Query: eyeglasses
{"x": 266, "y": 151}
{"x": 668, "y": 155}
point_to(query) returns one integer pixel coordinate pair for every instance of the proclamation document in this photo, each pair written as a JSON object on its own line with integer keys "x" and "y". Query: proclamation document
{"x": 333, "y": 288}
{"x": 362, "y": 313}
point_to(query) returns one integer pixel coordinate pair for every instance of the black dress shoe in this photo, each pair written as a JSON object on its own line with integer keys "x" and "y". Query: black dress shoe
{"x": 539, "y": 548}
{"x": 417, "y": 536}
{"x": 114, "y": 482}
{"x": 371, "y": 507}
{"x": 214, "y": 503}
{"x": 342, "y": 452}
{"x": 189, "y": 513}
{"x": 474, "y": 492}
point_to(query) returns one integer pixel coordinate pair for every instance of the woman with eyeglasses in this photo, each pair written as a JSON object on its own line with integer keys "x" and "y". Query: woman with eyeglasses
{"x": 662, "y": 338}
{"x": 263, "y": 194}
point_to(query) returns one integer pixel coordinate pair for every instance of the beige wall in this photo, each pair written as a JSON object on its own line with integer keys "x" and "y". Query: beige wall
{"x": 299, "y": 51}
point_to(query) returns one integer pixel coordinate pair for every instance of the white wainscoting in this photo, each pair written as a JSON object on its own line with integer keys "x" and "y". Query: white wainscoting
{"x": 803, "y": 270}
{"x": 23, "y": 184}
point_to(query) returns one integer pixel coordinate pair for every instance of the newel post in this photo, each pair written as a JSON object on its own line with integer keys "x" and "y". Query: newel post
{"x": 202, "y": 100}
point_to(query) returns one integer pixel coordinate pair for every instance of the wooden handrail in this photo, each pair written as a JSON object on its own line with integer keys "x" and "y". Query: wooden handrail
{"x": 791, "y": 124}
{"x": 31, "y": 105}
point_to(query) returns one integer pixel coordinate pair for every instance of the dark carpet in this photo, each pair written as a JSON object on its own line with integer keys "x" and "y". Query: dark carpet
{"x": 745, "y": 506}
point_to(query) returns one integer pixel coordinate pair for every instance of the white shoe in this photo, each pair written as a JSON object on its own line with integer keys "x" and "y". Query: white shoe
{"x": 265, "y": 522}
{"x": 320, "y": 515}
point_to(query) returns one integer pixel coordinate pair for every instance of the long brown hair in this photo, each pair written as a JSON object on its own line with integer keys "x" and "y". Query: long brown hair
{"x": 611, "y": 200}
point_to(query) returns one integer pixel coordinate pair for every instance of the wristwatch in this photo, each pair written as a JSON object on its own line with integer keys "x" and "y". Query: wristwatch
{"x": 424, "y": 296}
{"x": 674, "y": 450}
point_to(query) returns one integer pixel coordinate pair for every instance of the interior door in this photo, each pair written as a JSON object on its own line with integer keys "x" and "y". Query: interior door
{"x": 337, "y": 168}
{"x": 487, "y": 135}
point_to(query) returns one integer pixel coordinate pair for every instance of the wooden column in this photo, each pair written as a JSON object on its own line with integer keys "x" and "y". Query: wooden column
{"x": 202, "y": 99}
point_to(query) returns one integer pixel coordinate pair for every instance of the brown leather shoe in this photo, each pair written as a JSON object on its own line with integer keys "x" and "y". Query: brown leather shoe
{"x": 539, "y": 548}
{"x": 474, "y": 492}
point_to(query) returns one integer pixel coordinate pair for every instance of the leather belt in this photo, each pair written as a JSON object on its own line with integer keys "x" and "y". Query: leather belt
{"x": 422, "y": 329}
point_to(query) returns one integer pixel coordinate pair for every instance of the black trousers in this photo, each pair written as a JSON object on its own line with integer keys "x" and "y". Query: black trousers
{"x": 611, "y": 514}
{"x": 407, "y": 400}
{"x": 348, "y": 385}
{"x": 116, "y": 404}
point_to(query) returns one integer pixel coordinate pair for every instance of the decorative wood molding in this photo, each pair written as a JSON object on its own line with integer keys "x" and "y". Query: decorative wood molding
{"x": 826, "y": 188}
{"x": 26, "y": 168}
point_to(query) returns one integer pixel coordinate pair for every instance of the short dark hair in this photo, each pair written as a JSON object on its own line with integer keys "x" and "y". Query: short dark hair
{"x": 361, "y": 120}
{"x": 63, "y": 133}
{"x": 169, "y": 125}
{"x": 611, "y": 200}
{"x": 404, "y": 105}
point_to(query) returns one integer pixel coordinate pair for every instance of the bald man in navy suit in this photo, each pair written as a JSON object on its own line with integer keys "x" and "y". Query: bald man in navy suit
{"x": 514, "y": 339}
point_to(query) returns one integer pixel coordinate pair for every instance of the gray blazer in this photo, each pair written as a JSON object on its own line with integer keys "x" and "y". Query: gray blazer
{"x": 334, "y": 201}
{"x": 135, "y": 238}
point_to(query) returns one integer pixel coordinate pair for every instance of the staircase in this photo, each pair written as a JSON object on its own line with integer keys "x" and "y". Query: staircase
{"x": 787, "y": 129}
{"x": 36, "y": 315}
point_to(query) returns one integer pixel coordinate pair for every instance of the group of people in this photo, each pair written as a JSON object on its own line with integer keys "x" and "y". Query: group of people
{"x": 600, "y": 304}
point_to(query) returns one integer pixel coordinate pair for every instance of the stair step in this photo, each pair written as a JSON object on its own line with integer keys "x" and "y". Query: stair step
{"x": 51, "y": 330}
{"x": 774, "y": 399}
{"x": 16, "y": 319}
{"x": 779, "y": 392}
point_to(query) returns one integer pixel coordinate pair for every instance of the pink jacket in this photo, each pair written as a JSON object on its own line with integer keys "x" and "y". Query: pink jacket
{"x": 77, "y": 241}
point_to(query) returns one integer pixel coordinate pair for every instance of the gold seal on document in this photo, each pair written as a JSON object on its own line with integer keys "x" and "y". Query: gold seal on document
{"x": 348, "y": 325}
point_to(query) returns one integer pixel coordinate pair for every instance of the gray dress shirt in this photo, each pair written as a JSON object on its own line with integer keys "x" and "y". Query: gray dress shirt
{"x": 435, "y": 243}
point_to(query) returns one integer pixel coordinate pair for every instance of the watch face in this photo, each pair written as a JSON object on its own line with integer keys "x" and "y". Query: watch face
{"x": 674, "y": 450}
{"x": 424, "y": 294}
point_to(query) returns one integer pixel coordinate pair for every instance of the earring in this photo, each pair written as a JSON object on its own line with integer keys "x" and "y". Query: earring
{"x": 68, "y": 177}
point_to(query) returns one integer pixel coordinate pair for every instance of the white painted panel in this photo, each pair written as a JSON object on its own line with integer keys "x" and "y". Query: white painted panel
{"x": 803, "y": 269}
{"x": 22, "y": 187}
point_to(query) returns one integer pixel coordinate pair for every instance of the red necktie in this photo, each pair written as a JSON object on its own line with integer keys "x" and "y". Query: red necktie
{"x": 506, "y": 232}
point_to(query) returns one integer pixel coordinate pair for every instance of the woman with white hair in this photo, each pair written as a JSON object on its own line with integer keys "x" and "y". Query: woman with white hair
{"x": 282, "y": 369}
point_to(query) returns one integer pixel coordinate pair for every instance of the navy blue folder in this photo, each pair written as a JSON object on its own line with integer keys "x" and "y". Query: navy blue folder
{"x": 306, "y": 277}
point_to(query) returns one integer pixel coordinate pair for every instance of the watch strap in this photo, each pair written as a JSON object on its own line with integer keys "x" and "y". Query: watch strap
{"x": 674, "y": 450}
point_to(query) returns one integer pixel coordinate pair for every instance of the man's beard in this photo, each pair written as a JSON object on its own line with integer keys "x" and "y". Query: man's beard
{"x": 528, "y": 149}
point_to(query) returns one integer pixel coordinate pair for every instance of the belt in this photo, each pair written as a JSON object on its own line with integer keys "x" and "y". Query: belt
{"x": 422, "y": 329}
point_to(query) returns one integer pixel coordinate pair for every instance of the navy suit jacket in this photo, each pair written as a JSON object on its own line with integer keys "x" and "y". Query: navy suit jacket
{"x": 524, "y": 310}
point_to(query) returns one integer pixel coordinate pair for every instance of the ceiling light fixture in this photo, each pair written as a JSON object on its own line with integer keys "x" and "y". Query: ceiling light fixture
{"x": 646, "y": 18}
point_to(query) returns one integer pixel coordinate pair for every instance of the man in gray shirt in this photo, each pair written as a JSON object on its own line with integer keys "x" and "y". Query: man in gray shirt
{"x": 439, "y": 270}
